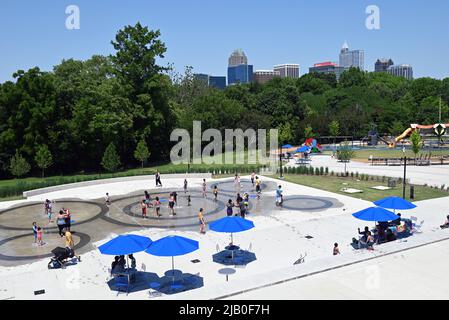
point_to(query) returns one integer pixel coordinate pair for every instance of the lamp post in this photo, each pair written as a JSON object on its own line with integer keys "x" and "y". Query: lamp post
{"x": 280, "y": 163}
{"x": 405, "y": 173}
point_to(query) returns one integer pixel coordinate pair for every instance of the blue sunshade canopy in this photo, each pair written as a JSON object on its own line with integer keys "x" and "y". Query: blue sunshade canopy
{"x": 395, "y": 203}
{"x": 303, "y": 149}
{"x": 375, "y": 214}
{"x": 287, "y": 146}
{"x": 171, "y": 246}
{"x": 125, "y": 244}
{"x": 231, "y": 225}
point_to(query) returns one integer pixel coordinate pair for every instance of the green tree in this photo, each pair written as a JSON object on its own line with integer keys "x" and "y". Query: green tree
{"x": 43, "y": 158}
{"x": 308, "y": 132}
{"x": 417, "y": 143}
{"x": 111, "y": 159}
{"x": 142, "y": 153}
{"x": 345, "y": 153}
{"x": 18, "y": 165}
{"x": 334, "y": 129}
{"x": 285, "y": 133}
{"x": 397, "y": 128}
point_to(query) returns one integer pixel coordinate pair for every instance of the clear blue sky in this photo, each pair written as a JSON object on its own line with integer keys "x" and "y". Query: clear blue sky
{"x": 203, "y": 33}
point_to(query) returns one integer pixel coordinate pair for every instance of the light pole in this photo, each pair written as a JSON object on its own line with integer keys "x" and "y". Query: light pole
{"x": 405, "y": 174}
{"x": 280, "y": 163}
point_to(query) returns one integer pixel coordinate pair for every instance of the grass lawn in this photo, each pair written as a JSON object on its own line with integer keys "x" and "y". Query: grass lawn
{"x": 12, "y": 189}
{"x": 335, "y": 184}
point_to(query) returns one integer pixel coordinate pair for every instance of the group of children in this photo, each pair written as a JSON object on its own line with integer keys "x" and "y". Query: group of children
{"x": 156, "y": 204}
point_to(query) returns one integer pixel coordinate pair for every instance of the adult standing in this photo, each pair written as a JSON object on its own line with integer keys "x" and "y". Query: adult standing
{"x": 60, "y": 222}
{"x": 70, "y": 244}
{"x": 158, "y": 178}
{"x": 253, "y": 175}
{"x": 204, "y": 188}
{"x": 185, "y": 185}
{"x": 229, "y": 208}
{"x": 68, "y": 219}
{"x": 171, "y": 204}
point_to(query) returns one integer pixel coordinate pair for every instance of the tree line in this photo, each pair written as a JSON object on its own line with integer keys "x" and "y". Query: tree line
{"x": 117, "y": 111}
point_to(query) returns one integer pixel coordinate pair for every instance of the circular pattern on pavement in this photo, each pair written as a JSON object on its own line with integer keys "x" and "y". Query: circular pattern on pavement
{"x": 22, "y": 245}
{"x": 305, "y": 203}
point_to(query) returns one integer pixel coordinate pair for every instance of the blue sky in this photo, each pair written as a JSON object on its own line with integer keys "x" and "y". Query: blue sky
{"x": 203, "y": 33}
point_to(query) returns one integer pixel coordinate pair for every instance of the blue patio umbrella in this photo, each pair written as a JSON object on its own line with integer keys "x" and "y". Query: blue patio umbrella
{"x": 303, "y": 149}
{"x": 172, "y": 246}
{"x": 395, "y": 203}
{"x": 287, "y": 146}
{"x": 375, "y": 214}
{"x": 125, "y": 244}
{"x": 231, "y": 225}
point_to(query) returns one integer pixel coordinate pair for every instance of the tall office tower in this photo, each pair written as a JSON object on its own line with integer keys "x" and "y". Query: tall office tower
{"x": 263, "y": 76}
{"x": 239, "y": 71}
{"x": 288, "y": 70}
{"x": 401, "y": 70}
{"x": 327, "y": 68}
{"x": 351, "y": 58}
{"x": 237, "y": 58}
{"x": 382, "y": 65}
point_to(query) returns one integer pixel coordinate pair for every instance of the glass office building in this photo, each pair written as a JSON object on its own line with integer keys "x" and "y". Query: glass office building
{"x": 351, "y": 58}
{"x": 218, "y": 82}
{"x": 242, "y": 73}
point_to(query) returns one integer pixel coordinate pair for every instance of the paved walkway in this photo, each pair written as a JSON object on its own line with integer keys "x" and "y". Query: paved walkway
{"x": 431, "y": 175}
{"x": 281, "y": 236}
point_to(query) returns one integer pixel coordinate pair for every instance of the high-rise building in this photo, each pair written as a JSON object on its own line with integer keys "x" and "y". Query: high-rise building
{"x": 263, "y": 76}
{"x": 327, "y": 68}
{"x": 382, "y": 65}
{"x": 288, "y": 70}
{"x": 218, "y": 82}
{"x": 351, "y": 58}
{"x": 401, "y": 70}
{"x": 237, "y": 58}
{"x": 239, "y": 71}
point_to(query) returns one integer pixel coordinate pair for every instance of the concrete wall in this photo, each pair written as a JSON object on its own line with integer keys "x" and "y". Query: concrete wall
{"x": 115, "y": 180}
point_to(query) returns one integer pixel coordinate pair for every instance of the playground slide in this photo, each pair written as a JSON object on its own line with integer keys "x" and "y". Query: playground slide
{"x": 404, "y": 134}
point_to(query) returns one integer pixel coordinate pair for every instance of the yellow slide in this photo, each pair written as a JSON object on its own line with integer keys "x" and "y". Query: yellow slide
{"x": 405, "y": 134}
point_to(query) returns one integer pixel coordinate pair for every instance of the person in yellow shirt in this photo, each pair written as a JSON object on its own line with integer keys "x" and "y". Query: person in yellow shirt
{"x": 69, "y": 243}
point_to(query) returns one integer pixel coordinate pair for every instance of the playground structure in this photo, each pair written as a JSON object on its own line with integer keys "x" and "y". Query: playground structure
{"x": 436, "y": 130}
{"x": 314, "y": 146}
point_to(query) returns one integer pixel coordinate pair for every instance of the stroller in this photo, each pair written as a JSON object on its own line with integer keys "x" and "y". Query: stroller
{"x": 60, "y": 257}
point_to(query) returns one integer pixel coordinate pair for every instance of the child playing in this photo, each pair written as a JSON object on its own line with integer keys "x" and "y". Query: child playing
{"x": 189, "y": 200}
{"x": 215, "y": 191}
{"x": 35, "y": 232}
{"x": 143, "y": 205}
{"x": 336, "y": 249}
{"x": 201, "y": 221}
{"x": 39, "y": 236}
{"x": 157, "y": 207}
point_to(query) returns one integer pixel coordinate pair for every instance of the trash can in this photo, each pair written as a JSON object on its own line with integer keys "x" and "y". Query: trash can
{"x": 392, "y": 183}
{"x": 412, "y": 192}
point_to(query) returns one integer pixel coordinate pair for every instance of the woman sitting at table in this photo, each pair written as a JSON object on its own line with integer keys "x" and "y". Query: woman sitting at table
{"x": 116, "y": 266}
{"x": 133, "y": 261}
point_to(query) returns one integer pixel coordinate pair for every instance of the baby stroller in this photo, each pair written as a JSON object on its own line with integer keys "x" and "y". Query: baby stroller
{"x": 60, "y": 257}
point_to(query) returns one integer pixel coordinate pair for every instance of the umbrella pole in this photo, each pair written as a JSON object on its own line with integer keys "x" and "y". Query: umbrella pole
{"x": 173, "y": 268}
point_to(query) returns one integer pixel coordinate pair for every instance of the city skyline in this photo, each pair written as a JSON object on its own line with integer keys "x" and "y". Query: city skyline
{"x": 38, "y": 37}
